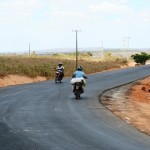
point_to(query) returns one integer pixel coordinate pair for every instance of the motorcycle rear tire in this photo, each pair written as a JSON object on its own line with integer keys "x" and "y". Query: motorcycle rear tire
{"x": 77, "y": 94}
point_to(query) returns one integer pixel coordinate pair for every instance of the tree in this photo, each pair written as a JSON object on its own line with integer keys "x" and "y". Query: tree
{"x": 141, "y": 58}
{"x": 89, "y": 54}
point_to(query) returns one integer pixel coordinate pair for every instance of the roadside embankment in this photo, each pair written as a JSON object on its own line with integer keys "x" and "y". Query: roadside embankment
{"x": 131, "y": 103}
{"x": 16, "y": 79}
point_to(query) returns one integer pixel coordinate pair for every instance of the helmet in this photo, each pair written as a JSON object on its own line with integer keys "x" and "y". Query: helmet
{"x": 60, "y": 63}
{"x": 79, "y": 68}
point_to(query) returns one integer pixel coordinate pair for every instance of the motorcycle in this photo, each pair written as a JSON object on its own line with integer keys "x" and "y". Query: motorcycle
{"x": 59, "y": 77}
{"x": 78, "y": 84}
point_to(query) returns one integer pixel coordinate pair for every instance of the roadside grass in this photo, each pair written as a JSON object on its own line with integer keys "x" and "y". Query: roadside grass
{"x": 35, "y": 65}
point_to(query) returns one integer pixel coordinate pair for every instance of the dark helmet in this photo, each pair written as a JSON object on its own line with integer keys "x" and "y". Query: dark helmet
{"x": 60, "y": 63}
{"x": 80, "y": 68}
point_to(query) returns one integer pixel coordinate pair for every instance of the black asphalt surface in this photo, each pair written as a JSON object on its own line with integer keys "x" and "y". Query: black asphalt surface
{"x": 46, "y": 116}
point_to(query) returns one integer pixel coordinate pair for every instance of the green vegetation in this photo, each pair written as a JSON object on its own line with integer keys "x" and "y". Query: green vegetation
{"x": 35, "y": 65}
{"x": 141, "y": 58}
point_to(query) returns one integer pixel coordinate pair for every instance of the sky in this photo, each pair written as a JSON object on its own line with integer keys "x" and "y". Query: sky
{"x": 49, "y": 24}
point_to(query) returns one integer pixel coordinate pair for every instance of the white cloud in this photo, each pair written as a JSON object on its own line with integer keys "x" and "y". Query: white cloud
{"x": 145, "y": 16}
{"x": 18, "y": 9}
{"x": 117, "y": 21}
{"x": 19, "y": 5}
{"x": 71, "y": 14}
{"x": 119, "y": 1}
{"x": 110, "y": 7}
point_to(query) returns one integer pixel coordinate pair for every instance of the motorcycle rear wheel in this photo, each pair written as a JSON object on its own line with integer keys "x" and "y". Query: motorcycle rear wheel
{"x": 77, "y": 94}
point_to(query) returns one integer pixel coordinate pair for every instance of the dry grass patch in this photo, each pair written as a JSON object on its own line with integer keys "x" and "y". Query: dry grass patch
{"x": 34, "y": 66}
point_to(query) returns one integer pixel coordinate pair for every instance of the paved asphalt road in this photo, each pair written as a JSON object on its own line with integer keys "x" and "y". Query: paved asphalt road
{"x": 46, "y": 116}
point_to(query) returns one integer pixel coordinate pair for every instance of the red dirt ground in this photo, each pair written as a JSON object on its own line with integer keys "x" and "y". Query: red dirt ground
{"x": 139, "y": 97}
{"x": 133, "y": 106}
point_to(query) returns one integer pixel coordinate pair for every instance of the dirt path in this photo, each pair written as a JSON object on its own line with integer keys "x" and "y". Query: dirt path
{"x": 131, "y": 103}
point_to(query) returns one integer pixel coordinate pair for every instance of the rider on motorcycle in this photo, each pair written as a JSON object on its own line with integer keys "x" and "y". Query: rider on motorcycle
{"x": 60, "y": 68}
{"x": 80, "y": 74}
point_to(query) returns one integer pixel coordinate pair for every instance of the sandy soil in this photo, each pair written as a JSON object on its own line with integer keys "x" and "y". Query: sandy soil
{"x": 131, "y": 103}
{"x": 16, "y": 79}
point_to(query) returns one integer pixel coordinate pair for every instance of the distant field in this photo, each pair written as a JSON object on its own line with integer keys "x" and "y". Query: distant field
{"x": 35, "y": 65}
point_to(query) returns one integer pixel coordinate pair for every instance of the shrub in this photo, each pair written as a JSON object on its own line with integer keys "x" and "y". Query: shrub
{"x": 141, "y": 58}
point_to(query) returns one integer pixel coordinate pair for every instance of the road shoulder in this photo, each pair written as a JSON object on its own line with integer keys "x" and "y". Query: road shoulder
{"x": 122, "y": 102}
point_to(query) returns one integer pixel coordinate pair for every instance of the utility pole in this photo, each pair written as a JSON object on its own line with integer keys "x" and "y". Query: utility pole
{"x": 102, "y": 49}
{"x": 29, "y": 48}
{"x": 76, "y": 31}
{"x": 128, "y": 38}
{"x": 125, "y": 44}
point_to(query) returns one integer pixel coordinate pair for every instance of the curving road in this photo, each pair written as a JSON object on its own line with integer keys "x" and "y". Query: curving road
{"x": 46, "y": 116}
